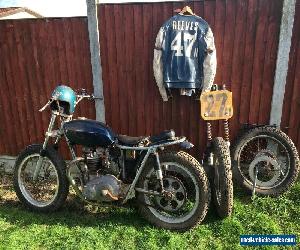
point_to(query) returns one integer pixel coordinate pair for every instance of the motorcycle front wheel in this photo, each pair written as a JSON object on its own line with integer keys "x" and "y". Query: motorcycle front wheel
{"x": 222, "y": 182}
{"x": 188, "y": 189}
{"x": 50, "y": 190}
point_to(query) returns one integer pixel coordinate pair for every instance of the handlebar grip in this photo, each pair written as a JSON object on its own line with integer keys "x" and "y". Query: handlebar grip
{"x": 81, "y": 92}
{"x": 45, "y": 106}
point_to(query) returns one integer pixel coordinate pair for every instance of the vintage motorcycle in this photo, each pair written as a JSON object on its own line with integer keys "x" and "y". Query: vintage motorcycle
{"x": 170, "y": 188}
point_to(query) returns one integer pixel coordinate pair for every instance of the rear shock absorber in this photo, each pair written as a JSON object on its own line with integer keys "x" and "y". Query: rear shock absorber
{"x": 210, "y": 159}
{"x": 226, "y": 125}
{"x": 210, "y": 156}
{"x": 209, "y": 133}
{"x": 226, "y": 131}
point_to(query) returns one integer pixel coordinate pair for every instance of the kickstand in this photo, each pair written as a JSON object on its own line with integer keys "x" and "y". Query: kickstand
{"x": 254, "y": 183}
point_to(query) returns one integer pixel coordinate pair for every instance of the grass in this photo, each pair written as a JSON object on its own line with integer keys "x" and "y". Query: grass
{"x": 79, "y": 227}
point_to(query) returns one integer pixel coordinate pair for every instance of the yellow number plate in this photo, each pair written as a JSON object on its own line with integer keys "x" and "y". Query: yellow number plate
{"x": 216, "y": 105}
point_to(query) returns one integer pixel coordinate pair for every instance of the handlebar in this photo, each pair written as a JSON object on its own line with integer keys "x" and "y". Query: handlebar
{"x": 80, "y": 97}
{"x": 81, "y": 94}
{"x": 45, "y": 106}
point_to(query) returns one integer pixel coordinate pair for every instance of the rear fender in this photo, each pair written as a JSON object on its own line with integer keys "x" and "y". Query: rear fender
{"x": 186, "y": 144}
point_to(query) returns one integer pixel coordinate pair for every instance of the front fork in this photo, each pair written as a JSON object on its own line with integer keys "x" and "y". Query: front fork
{"x": 42, "y": 153}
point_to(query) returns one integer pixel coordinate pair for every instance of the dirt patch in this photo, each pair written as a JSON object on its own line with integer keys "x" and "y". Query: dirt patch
{"x": 7, "y": 193}
{"x": 6, "y": 180}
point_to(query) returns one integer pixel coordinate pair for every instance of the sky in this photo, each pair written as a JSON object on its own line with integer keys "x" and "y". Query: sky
{"x": 60, "y": 8}
{"x": 50, "y": 8}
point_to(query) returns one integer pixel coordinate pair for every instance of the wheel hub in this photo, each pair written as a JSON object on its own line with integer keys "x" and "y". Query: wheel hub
{"x": 174, "y": 195}
{"x": 268, "y": 169}
{"x": 168, "y": 195}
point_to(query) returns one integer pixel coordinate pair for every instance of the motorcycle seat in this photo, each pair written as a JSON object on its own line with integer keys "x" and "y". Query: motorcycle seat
{"x": 130, "y": 140}
{"x": 133, "y": 141}
{"x": 163, "y": 136}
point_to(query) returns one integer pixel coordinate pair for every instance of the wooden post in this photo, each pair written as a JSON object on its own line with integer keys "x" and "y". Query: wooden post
{"x": 286, "y": 28}
{"x": 96, "y": 59}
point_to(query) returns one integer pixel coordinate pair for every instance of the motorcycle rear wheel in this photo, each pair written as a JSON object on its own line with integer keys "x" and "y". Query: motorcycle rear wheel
{"x": 185, "y": 178}
{"x": 275, "y": 156}
{"x": 51, "y": 188}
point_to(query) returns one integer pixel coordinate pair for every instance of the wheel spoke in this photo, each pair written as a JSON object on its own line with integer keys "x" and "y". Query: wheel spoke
{"x": 44, "y": 190}
{"x": 271, "y": 157}
{"x": 272, "y": 146}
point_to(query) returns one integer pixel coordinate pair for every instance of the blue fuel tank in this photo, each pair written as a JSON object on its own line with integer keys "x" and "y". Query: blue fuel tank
{"x": 89, "y": 133}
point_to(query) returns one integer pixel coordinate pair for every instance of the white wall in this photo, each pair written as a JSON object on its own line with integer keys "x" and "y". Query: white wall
{"x": 7, "y": 163}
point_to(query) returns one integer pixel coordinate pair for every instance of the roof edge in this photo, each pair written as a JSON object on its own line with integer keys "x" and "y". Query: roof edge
{"x": 18, "y": 10}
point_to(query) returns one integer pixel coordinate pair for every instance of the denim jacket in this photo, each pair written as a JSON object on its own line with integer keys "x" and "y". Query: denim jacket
{"x": 184, "y": 55}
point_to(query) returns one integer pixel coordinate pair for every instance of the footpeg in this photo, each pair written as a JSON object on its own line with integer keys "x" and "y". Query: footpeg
{"x": 106, "y": 193}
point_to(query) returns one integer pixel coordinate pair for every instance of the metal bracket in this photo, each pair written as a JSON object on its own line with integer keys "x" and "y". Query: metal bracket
{"x": 131, "y": 192}
{"x": 98, "y": 97}
{"x": 254, "y": 183}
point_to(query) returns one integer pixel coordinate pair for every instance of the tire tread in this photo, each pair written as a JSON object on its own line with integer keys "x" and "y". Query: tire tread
{"x": 222, "y": 152}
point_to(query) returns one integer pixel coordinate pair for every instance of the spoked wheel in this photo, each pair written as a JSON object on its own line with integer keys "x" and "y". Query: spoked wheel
{"x": 185, "y": 201}
{"x": 267, "y": 155}
{"x": 50, "y": 189}
{"x": 223, "y": 186}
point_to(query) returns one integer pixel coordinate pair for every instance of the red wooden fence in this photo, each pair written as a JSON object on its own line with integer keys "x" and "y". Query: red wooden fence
{"x": 246, "y": 34}
{"x": 37, "y": 54}
{"x": 291, "y": 109}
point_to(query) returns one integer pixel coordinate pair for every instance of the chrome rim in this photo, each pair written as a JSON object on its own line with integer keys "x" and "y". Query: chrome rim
{"x": 267, "y": 155}
{"x": 44, "y": 190}
{"x": 183, "y": 202}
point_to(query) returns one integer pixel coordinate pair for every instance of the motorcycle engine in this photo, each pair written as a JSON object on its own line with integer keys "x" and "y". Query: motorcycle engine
{"x": 101, "y": 160}
{"x": 103, "y": 188}
{"x": 102, "y": 169}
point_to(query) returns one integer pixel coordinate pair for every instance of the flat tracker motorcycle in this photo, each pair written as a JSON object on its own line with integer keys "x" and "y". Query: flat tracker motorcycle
{"x": 170, "y": 188}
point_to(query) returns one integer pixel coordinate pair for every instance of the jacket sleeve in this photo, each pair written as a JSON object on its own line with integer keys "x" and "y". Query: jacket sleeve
{"x": 158, "y": 64}
{"x": 210, "y": 62}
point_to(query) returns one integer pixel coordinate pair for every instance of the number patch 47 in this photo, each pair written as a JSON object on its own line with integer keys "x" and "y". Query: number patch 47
{"x": 186, "y": 44}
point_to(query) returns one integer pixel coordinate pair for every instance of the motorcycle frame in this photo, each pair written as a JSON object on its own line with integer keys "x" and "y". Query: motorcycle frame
{"x": 150, "y": 150}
